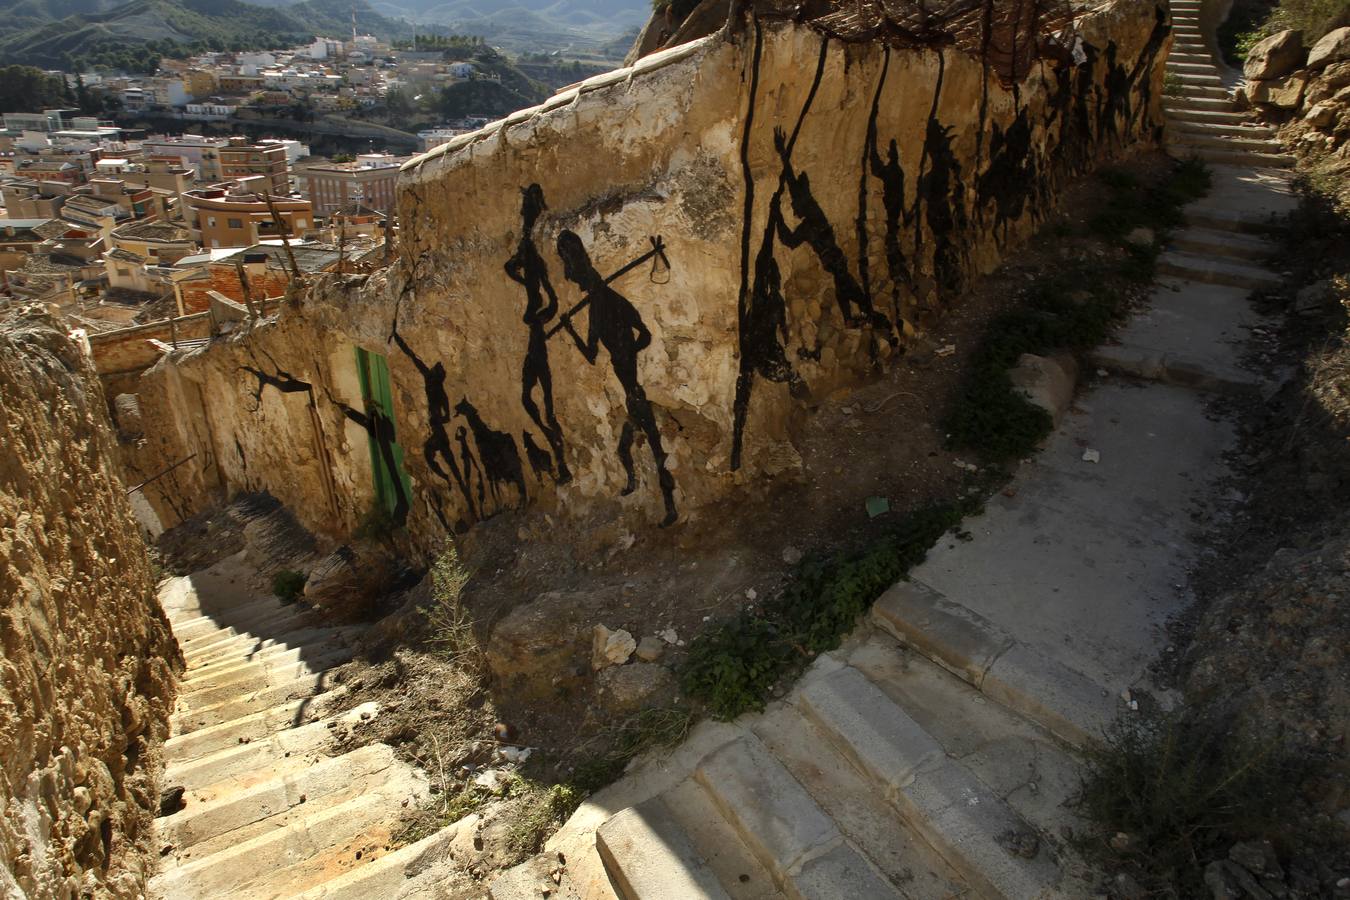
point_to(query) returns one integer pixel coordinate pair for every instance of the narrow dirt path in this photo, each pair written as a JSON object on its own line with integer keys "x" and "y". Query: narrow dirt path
{"x": 270, "y": 807}
{"x": 934, "y": 754}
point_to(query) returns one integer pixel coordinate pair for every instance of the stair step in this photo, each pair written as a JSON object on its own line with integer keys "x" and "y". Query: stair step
{"x": 1214, "y": 104}
{"x": 1245, "y": 158}
{"x": 960, "y": 816}
{"x": 1206, "y": 92}
{"x": 224, "y": 873}
{"x": 865, "y": 815}
{"x": 1216, "y": 271}
{"x": 274, "y": 750}
{"x": 189, "y": 720}
{"x": 649, "y": 857}
{"x": 787, "y": 832}
{"x": 242, "y": 807}
{"x": 1065, "y": 702}
{"x": 1222, "y": 219}
{"x": 1195, "y": 140}
{"x": 252, "y": 727}
{"x": 1188, "y": 117}
{"x": 390, "y": 874}
{"x": 271, "y": 625}
{"x": 188, "y": 629}
{"x": 257, "y": 678}
{"x": 1199, "y": 67}
{"x": 272, "y": 658}
{"x": 1199, "y": 79}
{"x": 247, "y": 649}
{"x": 1212, "y": 242}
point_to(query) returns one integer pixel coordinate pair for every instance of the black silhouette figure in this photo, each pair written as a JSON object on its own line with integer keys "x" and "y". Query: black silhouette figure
{"x": 614, "y": 322}
{"x": 814, "y": 228}
{"x": 381, "y": 429}
{"x": 527, "y": 268}
{"x": 471, "y": 470}
{"x": 540, "y": 460}
{"x": 497, "y": 455}
{"x": 946, "y": 211}
{"x": 436, "y": 449}
{"x": 892, "y": 177}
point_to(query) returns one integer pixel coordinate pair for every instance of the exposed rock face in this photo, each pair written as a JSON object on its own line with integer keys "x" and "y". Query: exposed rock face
{"x": 621, "y": 301}
{"x": 86, "y": 658}
{"x": 1332, "y": 48}
{"x": 1275, "y": 56}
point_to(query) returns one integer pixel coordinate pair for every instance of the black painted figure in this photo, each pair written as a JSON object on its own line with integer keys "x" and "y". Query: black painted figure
{"x": 497, "y": 455}
{"x": 527, "y": 268}
{"x": 942, "y": 188}
{"x": 613, "y": 322}
{"x": 814, "y": 228}
{"x": 436, "y": 449}
{"x": 470, "y": 467}
{"x": 892, "y": 177}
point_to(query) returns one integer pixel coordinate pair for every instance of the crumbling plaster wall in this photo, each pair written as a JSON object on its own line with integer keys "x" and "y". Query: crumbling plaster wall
{"x": 86, "y": 657}
{"x": 814, "y": 203}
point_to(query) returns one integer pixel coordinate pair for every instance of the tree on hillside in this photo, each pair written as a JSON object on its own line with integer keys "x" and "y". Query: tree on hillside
{"x": 26, "y": 89}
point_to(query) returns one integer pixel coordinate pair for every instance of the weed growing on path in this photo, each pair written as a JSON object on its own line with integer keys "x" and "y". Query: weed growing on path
{"x": 288, "y": 585}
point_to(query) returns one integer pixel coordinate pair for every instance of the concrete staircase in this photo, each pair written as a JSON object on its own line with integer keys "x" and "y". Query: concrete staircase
{"x": 1202, "y": 119}
{"x": 271, "y": 807}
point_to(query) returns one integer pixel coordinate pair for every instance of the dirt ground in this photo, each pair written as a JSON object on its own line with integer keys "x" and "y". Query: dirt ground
{"x": 880, "y": 440}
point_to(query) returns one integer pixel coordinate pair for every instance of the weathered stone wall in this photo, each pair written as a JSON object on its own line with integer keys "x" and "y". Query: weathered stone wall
{"x": 86, "y": 657}
{"x": 625, "y": 299}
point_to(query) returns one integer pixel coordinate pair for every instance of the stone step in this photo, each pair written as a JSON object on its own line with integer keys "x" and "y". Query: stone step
{"x": 1222, "y": 219}
{"x": 1217, "y": 271}
{"x": 236, "y": 810}
{"x": 268, "y": 625}
{"x": 1224, "y": 117}
{"x": 865, "y": 815}
{"x": 1199, "y": 79}
{"x": 1185, "y": 139}
{"x": 259, "y": 677}
{"x": 1243, "y": 158}
{"x": 1190, "y": 91}
{"x": 189, "y": 720}
{"x": 960, "y": 817}
{"x": 1185, "y": 56}
{"x": 227, "y": 873}
{"x": 196, "y": 626}
{"x": 1065, "y": 702}
{"x": 243, "y": 649}
{"x": 255, "y": 726}
{"x": 1213, "y": 242}
{"x": 1179, "y": 369}
{"x": 1028, "y": 767}
{"x": 272, "y": 657}
{"x": 1198, "y": 67}
{"x": 789, "y": 835}
{"x": 267, "y": 756}
{"x": 395, "y": 874}
{"x": 649, "y": 857}
{"x": 1211, "y": 104}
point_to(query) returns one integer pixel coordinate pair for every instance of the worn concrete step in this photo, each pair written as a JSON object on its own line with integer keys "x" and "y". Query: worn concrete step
{"x": 789, "y": 835}
{"x": 1232, "y": 128}
{"x": 255, "y": 726}
{"x": 253, "y": 759}
{"x": 243, "y": 649}
{"x": 649, "y": 857}
{"x": 189, "y": 720}
{"x": 1197, "y": 140}
{"x": 1187, "y": 118}
{"x": 227, "y": 873}
{"x": 1063, "y": 701}
{"x": 1244, "y": 158}
{"x": 1205, "y": 92}
{"x": 399, "y": 873}
{"x": 1186, "y": 67}
{"x": 864, "y": 814}
{"x": 1222, "y": 103}
{"x": 718, "y": 844}
{"x": 233, "y": 810}
{"x": 268, "y": 625}
{"x": 272, "y": 658}
{"x": 961, "y": 817}
{"x": 1216, "y": 271}
{"x": 1214, "y": 242}
{"x": 1176, "y": 368}
{"x": 258, "y": 677}
{"x": 217, "y": 615}
{"x": 1189, "y": 57}
{"x": 1199, "y": 79}
{"x": 1033, "y": 772}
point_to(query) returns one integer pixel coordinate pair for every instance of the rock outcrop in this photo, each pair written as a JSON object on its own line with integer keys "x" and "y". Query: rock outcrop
{"x": 621, "y": 303}
{"x": 1306, "y": 91}
{"x": 86, "y": 658}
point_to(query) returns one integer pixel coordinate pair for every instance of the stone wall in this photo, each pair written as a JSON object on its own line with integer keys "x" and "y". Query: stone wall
{"x": 86, "y": 657}
{"x": 625, "y": 300}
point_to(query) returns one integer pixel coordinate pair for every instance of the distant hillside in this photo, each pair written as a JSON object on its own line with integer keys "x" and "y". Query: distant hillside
{"x": 134, "y": 34}
{"x": 529, "y": 25}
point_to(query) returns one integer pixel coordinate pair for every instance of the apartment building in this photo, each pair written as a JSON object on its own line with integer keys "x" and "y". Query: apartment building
{"x": 240, "y": 218}
{"x": 241, "y": 159}
{"x": 370, "y": 180}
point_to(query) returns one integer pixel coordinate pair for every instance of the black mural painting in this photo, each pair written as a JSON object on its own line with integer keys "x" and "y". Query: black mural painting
{"x": 540, "y": 460}
{"x": 497, "y": 456}
{"x": 892, "y": 177}
{"x": 528, "y": 269}
{"x": 1012, "y": 177}
{"x": 381, "y": 430}
{"x": 436, "y": 449}
{"x": 614, "y": 323}
{"x": 940, "y": 184}
{"x": 472, "y": 475}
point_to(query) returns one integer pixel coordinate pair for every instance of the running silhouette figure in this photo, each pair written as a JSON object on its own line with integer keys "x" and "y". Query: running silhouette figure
{"x": 614, "y": 323}
{"x": 527, "y": 268}
{"x": 892, "y": 177}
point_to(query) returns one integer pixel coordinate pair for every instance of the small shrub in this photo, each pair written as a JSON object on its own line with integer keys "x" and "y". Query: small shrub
{"x": 288, "y": 585}
{"x": 450, "y": 627}
{"x": 544, "y": 810}
{"x": 1182, "y": 790}
{"x": 376, "y": 525}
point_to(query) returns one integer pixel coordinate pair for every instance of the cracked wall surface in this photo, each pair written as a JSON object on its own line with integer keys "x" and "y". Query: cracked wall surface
{"x": 86, "y": 656}
{"x": 625, "y": 300}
